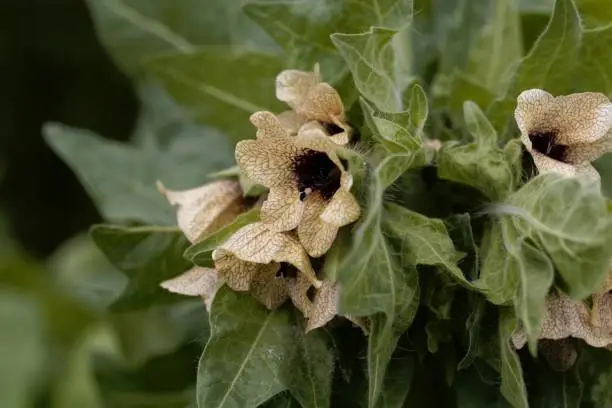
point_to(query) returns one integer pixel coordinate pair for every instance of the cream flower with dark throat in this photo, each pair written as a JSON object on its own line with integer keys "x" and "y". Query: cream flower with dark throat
{"x": 565, "y": 133}
{"x": 309, "y": 187}
{"x": 311, "y": 100}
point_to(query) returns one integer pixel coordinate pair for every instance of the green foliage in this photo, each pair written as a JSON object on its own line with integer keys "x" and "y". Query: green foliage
{"x": 456, "y": 249}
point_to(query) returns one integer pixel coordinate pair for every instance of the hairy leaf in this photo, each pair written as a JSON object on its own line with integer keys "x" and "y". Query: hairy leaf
{"x": 121, "y": 178}
{"x": 593, "y": 73}
{"x": 425, "y": 241}
{"x": 512, "y": 383}
{"x": 303, "y": 28}
{"x": 373, "y": 282}
{"x": 549, "y": 65}
{"x": 148, "y": 256}
{"x": 480, "y": 164}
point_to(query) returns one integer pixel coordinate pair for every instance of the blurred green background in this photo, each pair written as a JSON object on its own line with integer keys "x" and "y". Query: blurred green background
{"x": 54, "y": 284}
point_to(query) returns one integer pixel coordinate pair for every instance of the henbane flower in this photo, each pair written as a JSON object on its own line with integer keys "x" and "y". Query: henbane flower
{"x": 309, "y": 186}
{"x": 565, "y": 318}
{"x": 311, "y": 100}
{"x": 565, "y": 133}
{"x": 201, "y": 211}
{"x": 254, "y": 254}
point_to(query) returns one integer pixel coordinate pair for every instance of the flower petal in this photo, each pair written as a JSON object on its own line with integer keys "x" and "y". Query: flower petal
{"x": 323, "y": 103}
{"x": 268, "y": 164}
{"x": 324, "y": 306}
{"x": 270, "y": 290}
{"x": 312, "y": 136}
{"x": 298, "y": 292}
{"x": 292, "y": 86}
{"x": 282, "y": 211}
{"x": 587, "y": 152}
{"x": 255, "y": 243}
{"x": 205, "y": 209}
{"x": 238, "y": 274}
{"x": 316, "y": 235}
{"x": 530, "y": 105}
{"x": 342, "y": 209}
{"x": 582, "y": 117}
{"x": 547, "y": 165}
{"x": 269, "y": 127}
{"x": 341, "y": 138}
{"x": 197, "y": 281}
{"x": 291, "y": 121}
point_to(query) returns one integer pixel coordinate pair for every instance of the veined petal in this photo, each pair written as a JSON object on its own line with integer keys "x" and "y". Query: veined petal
{"x": 291, "y": 121}
{"x": 238, "y": 274}
{"x": 341, "y": 138}
{"x": 283, "y": 209}
{"x": 197, "y": 281}
{"x": 582, "y": 117}
{"x": 547, "y": 165}
{"x": 271, "y": 293}
{"x": 292, "y": 86}
{"x": 324, "y": 306}
{"x": 267, "y": 164}
{"x": 316, "y": 235}
{"x": 269, "y": 128}
{"x": 298, "y": 292}
{"x": 601, "y": 312}
{"x": 255, "y": 243}
{"x": 312, "y": 136}
{"x": 323, "y": 103}
{"x": 205, "y": 209}
{"x": 529, "y": 108}
{"x": 587, "y": 152}
{"x": 342, "y": 209}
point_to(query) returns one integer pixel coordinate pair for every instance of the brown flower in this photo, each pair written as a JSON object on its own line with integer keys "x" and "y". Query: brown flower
{"x": 311, "y": 100}
{"x": 197, "y": 281}
{"x": 324, "y": 304}
{"x": 565, "y": 318}
{"x": 203, "y": 210}
{"x": 309, "y": 187}
{"x": 565, "y": 133}
{"x": 601, "y": 312}
{"x": 254, "y": 254}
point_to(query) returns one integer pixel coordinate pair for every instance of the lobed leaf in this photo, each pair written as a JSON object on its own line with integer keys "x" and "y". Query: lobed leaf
{"x": 549, "y": 65}
{"x": 147, "y": 256}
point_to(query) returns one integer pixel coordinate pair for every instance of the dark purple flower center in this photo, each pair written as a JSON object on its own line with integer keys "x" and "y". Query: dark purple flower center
{"x": 545, "y": 143}
{"x": 314, "y": 171}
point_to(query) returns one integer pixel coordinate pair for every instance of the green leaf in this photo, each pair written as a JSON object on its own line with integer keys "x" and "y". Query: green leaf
{"x": 480, "y": 164}
{"x": 549, "y": 65}
{"x": 282, "y": 400}
{"x": 312, "y": 371}
{"x": 137, "y": 31}
{"x": 22, "y": 350}
{"x": 473, "y": 329}
{"x": 397, "y": 382}
{"x": 571, "y": 221}
{"x": 201, "y": 253}
{"x": 147, "y": 256}
{"x": 595, "y": 12}
{"x": 373, "y": 282}
{"x": 425, "y": 241}
{"x": 121, "y": 177}
{"x": 497, "y": 47}
{"x": 512, "y": 383}
{"x": 593, "y": 73}
{"x": 248, "y": 355}
{"x": 473, "y": 392}
{"x": 304, "y": 28}
{"x": 515, "y": 270}
{"x": 371, "y": 57}
{"x": 221, "y": 87}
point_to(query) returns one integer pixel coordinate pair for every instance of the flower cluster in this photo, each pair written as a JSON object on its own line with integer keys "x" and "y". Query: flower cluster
{"x": 564, "y": 134}
{"x": 295, "y": 156}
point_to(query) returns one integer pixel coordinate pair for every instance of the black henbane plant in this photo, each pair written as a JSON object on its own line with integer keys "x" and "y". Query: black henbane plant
{"x": 383, "y": 242}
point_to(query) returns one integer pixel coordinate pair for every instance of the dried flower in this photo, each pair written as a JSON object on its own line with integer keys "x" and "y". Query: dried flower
{"x": 309, "y": 187}
{"x": 197, "y": 281}
{"x": 254, "y": 254}
{"x": 324, "y": 304}
{"x": 311, "y": 100}
{"x": 202, "y": 211}
{"x": 205, "y": 209}
{"x": 565, "y": 133}
{"x": 565, "y": 318}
